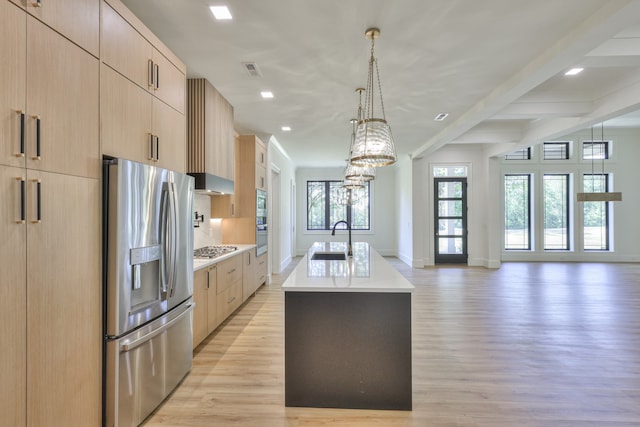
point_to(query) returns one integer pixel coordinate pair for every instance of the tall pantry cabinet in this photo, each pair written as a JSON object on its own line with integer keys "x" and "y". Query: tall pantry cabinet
{"x": 50, "y": 293}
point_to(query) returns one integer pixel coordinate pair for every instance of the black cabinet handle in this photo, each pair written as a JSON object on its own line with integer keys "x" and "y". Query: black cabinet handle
{"x": 157, "y": 85}
{"x": 38, "y": 201}
{"x": 151, "y": 146}
{"x": 38, "y": 134}
{"x": 23, "y": 201}
{"x": 157, "y": 148}
{"x": 22, "y": 137}
{"x": 151, "y": 77}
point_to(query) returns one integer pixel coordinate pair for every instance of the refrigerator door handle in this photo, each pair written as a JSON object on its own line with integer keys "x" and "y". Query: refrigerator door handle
{"x": 130, "y": 345}
{"x": 165, "y": 259}
{"x": 173, "y": 238}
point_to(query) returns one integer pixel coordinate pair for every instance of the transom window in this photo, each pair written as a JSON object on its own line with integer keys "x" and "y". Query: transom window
{"x": 329, "y": 202}
{"x": 522, "y": 154}
{"x": 595, "y": 150}
{"x": 556, "y": 150}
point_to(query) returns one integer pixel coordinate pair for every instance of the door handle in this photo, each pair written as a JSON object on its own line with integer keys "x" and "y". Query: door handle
{"x": 157, "y": 80}
{"x": 38, "y": 201}
{"x": 150, "y": 77}
{"x": 37, "y": 156}
{"x": 22, "y": 125}
{"x": 130, "y": 345}
{"x": 23, "y": 200}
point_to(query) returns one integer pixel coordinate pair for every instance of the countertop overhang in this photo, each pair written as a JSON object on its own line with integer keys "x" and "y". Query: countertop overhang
{"x": 366, "y": 271}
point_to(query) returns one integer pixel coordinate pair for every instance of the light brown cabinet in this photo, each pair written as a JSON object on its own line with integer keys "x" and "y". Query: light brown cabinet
{"x": 13, "y": 69}
{"x": 254, "y": 273}
{"x": 77, "y": 20}
{"x": 64, "y": 357}
{"x": 62, "y": 118}
{"x": 49, "y": 220}
{"x": 142, "y": 95}
{"x": 217, "y": 293}
{"x": 250, "y": 174}
{"x": 49, "y": 110}
{"x": 13, "y": 298}
{"x": 204, "y": 296}
{"x": 229, "y": 286}
{"x": 210, "y": 134}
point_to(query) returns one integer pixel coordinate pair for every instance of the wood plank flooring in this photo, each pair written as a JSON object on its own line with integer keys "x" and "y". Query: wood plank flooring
{"x": 530, "y": 344}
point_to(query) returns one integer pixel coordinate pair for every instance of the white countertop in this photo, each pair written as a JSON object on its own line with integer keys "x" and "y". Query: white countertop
{"x": 366, "y": 271}
{"x": 200, "y": 263}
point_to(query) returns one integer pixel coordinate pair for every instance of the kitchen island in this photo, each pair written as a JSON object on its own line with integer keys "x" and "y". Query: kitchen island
{"x": 347, "y": 331}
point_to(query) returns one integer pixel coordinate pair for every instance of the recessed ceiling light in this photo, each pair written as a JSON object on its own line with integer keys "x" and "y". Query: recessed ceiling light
{"x": 220, "y": 12}
{"x": 573, "y": 71}
{"x": 266, "y": 94}
{"x": 440, "y": 117}
{"x": 286, "y": 128}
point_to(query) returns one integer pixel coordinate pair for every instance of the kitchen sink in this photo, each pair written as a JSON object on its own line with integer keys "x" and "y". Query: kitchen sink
{"x": 329, "y": 256}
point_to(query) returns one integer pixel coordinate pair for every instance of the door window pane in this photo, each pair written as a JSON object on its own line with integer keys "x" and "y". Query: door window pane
{"x": 449, "y": 189}
{"x": 450, "y": 245}
{"x": 517, "y": 222}
{"x": 450, "y": 227}
{"x": 556, "y": 211}
{"x": 450, "y": 208}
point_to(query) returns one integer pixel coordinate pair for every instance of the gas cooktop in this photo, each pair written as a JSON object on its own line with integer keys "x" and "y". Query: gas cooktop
{"x": 213, "y": 251}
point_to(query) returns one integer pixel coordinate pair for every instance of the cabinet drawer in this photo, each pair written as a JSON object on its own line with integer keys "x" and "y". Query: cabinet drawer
{"x": 229, "y": 273}
{"x": 228, "y": 301}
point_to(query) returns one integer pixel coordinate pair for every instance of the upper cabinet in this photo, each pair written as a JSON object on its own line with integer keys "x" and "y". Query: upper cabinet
{"x": 77, "y": 20}
{"x": 210, "y": 134}
{"x": 142, "y": 93}
{"x": 49, "y": 117}
{"x": 250, "y": 174}
{"x": 12, "y": 84}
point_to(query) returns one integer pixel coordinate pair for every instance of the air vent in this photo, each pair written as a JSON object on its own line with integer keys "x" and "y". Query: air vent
{"x": 440, "y": 117}
{"x": 252, "y": 69}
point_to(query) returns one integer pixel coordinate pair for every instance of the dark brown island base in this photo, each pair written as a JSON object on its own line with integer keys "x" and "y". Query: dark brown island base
{"x": 347, "y": 331}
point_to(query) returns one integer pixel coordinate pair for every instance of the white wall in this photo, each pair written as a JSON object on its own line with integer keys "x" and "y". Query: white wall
{"x": 284, "y": 229}
{"x": 622, "y": 164}
{"x": 383, "y": 235}
{"x": 404, "y": 209}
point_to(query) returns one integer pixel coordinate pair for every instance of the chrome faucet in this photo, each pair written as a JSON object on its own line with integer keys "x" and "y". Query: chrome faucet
{"x": 333, "y": 233}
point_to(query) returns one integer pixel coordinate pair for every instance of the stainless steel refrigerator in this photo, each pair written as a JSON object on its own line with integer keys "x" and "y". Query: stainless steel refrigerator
{"x": 148, "y": 280}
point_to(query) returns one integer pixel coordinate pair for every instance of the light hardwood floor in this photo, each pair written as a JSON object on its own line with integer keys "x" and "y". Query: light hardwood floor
{"x": 529, "y": 344}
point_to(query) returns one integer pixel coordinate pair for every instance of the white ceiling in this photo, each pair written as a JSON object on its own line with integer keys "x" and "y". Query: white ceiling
{"x": 496, "y": 66}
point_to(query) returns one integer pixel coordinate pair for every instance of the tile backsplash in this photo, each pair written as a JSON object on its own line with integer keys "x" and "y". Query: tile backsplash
{"x": 210, "y": 230}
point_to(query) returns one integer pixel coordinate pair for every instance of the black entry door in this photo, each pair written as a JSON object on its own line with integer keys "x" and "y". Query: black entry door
{"x": 450, "y": 219}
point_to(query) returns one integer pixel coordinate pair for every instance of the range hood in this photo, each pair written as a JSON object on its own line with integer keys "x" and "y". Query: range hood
{"x": 207, "y": 183}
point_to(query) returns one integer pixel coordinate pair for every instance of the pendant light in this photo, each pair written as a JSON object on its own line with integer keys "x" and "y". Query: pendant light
{"x": 603, "y": 196}
{"x": 353, "y": 172}
{"x": 373, "y": 144}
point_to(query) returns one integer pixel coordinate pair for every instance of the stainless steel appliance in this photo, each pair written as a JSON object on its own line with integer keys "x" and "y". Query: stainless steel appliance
{"x": 261, "y": 222}
{"x": 148, "y": 287}
{"x": 214, "y": 251}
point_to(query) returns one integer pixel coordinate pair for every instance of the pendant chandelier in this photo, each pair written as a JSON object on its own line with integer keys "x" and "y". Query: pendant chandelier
{"x": 602, "y": 196}
{"x": 353, "y": 172}
{"x": 373, "y": 145}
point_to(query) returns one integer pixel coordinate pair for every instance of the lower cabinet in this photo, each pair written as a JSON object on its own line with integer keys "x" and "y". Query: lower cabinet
{"x": 217, "y": 292}
{"x": 229, "y": 287}
{"x": 204, "y": 289}
{"x": 254, "y": 273}
{"x": 50, "y": 299}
